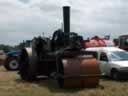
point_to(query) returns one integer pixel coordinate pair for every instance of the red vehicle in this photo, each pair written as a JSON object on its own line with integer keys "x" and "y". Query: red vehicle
{"x": 98, "y": 42}
{"x": 2, "y": 57}
{"x": 123, "y": 42}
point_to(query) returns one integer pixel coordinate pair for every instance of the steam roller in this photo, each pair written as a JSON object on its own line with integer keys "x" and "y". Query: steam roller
{"x": 61, "y": 57}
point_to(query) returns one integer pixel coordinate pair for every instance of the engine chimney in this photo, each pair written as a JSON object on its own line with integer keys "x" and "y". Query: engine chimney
{"x": 66, "y": 19}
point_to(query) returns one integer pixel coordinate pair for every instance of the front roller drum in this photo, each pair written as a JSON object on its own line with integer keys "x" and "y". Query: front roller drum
{"x": 80, "y": 72}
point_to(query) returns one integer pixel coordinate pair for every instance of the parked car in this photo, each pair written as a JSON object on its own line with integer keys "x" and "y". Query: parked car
{"x": 11, "y": 62}
{"x": 113, "y": 61}
{"x": 2, "y": 57}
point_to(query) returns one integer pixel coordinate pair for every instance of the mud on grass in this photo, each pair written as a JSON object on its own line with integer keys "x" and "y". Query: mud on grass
{"x": 12, "y": 85}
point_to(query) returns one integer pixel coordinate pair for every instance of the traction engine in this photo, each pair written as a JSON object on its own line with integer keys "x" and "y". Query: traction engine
{"x": 62, "y": 58}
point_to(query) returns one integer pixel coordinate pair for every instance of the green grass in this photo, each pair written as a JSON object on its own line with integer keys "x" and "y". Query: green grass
{"x": 12, "y": 85}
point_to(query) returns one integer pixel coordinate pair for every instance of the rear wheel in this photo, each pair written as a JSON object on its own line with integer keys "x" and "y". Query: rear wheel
{"x": 25, "y": 70}
{"x": 11, "y": 63}
{"x": 115, "y": 74}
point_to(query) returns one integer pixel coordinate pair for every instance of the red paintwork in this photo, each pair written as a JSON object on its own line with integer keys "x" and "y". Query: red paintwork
{"x": 97, "y": 42}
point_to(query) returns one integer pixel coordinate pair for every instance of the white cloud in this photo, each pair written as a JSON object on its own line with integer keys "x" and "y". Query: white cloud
{"x": 23, "y": 19}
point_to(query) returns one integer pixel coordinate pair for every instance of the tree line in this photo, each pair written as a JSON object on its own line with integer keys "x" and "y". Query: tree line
{"x": 7, "y": 48}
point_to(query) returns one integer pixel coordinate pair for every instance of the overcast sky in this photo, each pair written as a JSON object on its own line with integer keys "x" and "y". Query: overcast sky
{"x": 24, "y": 19}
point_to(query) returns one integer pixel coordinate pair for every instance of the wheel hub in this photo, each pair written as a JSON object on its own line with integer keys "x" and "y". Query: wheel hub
{"x": 13, "y": 64}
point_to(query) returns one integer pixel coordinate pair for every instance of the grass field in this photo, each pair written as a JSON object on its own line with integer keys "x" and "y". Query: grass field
{"x": 12, "y": 85}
